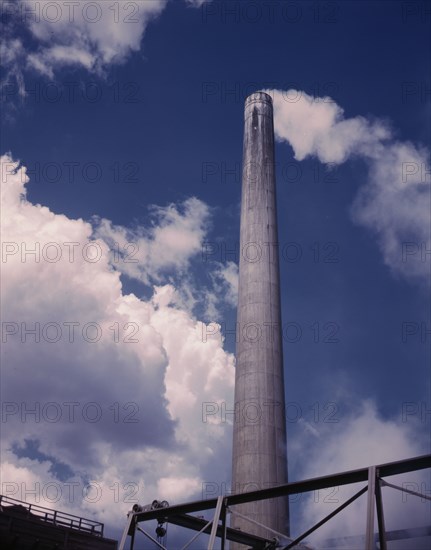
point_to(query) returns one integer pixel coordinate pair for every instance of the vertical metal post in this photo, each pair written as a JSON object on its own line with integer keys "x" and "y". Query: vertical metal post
{"x": 215, "y": 523}
{"x": 132, "y": 539}
{"x": 369, "y": 537}
{"x": 130, "y": 518}
{"x": 224, "y": 525}
{"x": 380, "y": 515}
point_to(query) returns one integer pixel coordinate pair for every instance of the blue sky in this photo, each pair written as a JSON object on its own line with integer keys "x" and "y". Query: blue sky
{"x": 130, "y": 130}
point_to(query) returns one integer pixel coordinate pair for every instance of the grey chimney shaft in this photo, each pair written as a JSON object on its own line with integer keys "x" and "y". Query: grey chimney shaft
{"x": 259, "y": 438}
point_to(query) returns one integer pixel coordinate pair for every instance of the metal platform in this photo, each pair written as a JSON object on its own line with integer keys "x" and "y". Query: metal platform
{"x": 25, "y": 526}
{"x": 373, "y": 477}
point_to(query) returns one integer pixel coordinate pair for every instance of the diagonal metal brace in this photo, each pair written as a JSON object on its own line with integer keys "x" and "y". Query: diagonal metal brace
{"x": 325, "y": 519}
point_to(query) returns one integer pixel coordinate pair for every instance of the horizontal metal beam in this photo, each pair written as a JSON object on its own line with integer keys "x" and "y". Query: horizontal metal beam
{"x": 358, "y": 540}
{"x": 344, "y": 478}
{"x": 414, "y": 532}
{"x": 334, "y": 480}
{"x": 177, "y": 509}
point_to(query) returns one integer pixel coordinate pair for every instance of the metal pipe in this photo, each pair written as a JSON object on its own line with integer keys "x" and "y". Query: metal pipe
{"x": 404, "y": 490}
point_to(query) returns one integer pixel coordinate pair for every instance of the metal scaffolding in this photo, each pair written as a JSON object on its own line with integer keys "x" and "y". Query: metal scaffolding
{"x": 180, "y": 514}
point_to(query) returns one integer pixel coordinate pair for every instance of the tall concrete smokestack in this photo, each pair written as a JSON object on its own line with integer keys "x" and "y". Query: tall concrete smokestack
{"x": 259, "y": 437}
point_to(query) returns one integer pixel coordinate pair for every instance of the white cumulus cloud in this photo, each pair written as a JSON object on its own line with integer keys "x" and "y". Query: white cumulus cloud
{"x": 175, "y": 236}
{"x": 92, "y": 34}
{"x": 106, "y": 388}
{"x": 44, "y": 37}
{"x": 394, "y": 203}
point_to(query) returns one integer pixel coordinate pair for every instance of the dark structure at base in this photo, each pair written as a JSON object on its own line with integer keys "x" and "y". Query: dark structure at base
{"x": 26, "y": 526}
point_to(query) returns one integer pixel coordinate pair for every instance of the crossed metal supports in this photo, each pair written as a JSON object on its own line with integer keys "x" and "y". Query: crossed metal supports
{"x": 217, "y": 526}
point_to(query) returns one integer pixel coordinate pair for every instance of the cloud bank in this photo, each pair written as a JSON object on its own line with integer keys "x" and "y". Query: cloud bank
{"x": 102, "y": 389}
{"x": 394, "y": 203}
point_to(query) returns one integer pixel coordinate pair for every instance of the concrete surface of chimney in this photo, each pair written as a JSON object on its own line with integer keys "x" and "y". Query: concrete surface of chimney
{"x": 259, "y": 440}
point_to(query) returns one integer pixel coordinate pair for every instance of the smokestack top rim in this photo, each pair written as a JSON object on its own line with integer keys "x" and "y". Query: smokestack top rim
{"x": 258, "y": 97}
